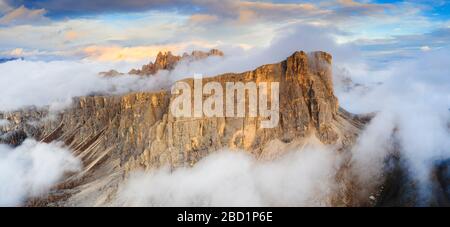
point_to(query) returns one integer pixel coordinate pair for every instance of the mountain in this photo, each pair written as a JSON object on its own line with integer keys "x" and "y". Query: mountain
{"x": 114, "y": 135}
{"x": 110, "y": 73}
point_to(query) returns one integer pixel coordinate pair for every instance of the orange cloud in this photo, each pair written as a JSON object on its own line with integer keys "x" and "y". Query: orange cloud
{"x": 17, "y": 52}
{"x": 359, "y": 5}
{"x": 202, "y": 18}
{"x": 71, "y": 35}
{"x": 117, "y": 53}
{"x": 23, "y": 15}
{"x": 136, "y": 53}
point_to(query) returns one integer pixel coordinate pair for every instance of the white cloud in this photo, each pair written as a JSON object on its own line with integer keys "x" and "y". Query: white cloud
{"x": 232, "y": 178}
{"x": 26, "y": 83}
{"x": 31, "y": 170}
{"x": 4, "y": 122}
{"x": 412, "y": 102}
{"x": 425, "y": 48}
{"x": 67, "y": 38}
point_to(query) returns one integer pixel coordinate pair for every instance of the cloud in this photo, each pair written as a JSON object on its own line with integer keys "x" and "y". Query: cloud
{"x": 17, "y": 52}
{"x": 412, "y": 100}
{"x": 117, "y": 53}
{"x": 185, "y": 6}
{"x": 234, "y": 178}
{"x": 405, "y": 46}
{"x": 425, "y": 48}
{"x": 202, "y": 19}
{"x": 242, "y": 11}
{"x": 23, "y": 15}
{"x": 31, "y": 169}
{"x": 28, "y": 82}
{"x": 71, "y": 35}
{"x": 105, "y": 6}
{"x": 4, "y": 122}
{"x": 135, "y": 53}
{"x": 4, "y": 7}
{"x": 232, "y": 22}
{"x": 362, "y": 7}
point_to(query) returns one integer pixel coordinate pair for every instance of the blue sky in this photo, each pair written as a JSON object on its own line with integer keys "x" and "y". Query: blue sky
{"x": 136, "y": 29}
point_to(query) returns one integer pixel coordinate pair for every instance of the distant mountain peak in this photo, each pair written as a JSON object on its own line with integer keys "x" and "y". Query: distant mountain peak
{"x": 3, "y": 60}
{"x": 168, "y": 61}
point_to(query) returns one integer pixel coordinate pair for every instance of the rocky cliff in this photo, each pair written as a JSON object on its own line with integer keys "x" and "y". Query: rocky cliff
{"x": 116, "y": 134}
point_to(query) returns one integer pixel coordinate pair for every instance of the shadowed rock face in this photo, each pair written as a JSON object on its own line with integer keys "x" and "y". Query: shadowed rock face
{"x": 116, "y": 134}
{"x": 168, "y": 61}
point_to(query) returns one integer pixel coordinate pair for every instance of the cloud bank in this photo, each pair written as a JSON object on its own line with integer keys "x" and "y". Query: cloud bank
{"x": 37, "y": 83}
{"x": 234, "y": 178}
{"x": 412, "y": 101}
{"x": 31, "y": 169}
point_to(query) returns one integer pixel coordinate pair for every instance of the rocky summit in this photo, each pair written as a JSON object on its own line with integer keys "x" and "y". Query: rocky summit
{"x": 168, "y": 61}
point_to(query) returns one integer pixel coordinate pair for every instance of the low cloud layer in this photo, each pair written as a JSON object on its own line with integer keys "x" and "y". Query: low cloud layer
{"x": 234, "y": 178}
{"x": 32, "y": 169}
{"x": 27, "y": 83}
{"x": 4, "y": 122}
{"x": 412, "y": 101}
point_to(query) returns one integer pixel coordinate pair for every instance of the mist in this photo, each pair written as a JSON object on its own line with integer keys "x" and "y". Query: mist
{"x": 412, "y": 100}
{"x": 4, "y": 122}
{"x": 31, "y": 169}
{"x": 235, "y": 178}
{"x": 55, "y": 83}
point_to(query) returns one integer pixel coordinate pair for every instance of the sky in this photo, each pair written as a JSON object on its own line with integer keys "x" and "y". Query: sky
{"x": 115, "y": 30}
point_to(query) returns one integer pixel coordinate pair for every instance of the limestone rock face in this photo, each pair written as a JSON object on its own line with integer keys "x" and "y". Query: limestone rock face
{"x": 168, "y": 61}
{"x": 116, "y": 134}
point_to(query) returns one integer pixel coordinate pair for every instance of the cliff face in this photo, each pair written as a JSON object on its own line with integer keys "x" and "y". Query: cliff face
{"x": 116, "y": 134}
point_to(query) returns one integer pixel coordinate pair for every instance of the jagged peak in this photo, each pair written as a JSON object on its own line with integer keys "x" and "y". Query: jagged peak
{"x": 165, "y": 60}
